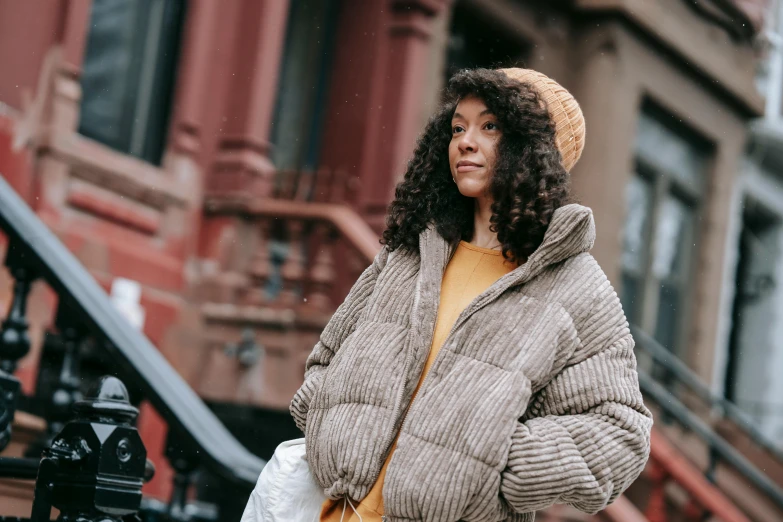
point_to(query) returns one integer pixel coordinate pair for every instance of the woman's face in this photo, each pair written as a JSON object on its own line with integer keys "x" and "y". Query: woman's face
{"x": 472, "y": 151}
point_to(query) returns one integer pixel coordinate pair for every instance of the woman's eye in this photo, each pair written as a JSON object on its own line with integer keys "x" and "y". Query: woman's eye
{"x": 491, "y": 126}
{"x": 456, "y": 129}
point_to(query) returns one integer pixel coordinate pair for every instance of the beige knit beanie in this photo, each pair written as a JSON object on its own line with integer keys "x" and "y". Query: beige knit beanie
{"x": 563, "y": 109}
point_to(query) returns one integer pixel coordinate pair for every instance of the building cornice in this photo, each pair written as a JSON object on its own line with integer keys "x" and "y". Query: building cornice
{"x": 727, "y": 15}
{"x": 725, "y": 61}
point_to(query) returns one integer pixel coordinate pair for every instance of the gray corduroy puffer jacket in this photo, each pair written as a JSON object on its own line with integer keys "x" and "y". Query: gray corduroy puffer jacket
{"x": 532, "y": 400}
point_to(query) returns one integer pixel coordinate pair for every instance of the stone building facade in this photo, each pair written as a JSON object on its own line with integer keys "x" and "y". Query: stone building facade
{"x": 235, "y": 159}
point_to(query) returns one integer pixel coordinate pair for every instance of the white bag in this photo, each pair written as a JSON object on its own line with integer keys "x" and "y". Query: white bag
{"x": 286, "y": 490}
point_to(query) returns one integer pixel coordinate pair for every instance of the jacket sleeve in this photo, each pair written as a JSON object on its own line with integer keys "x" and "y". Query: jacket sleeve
{"x": 339, "y": 327}
{"x": 586, "y": 436}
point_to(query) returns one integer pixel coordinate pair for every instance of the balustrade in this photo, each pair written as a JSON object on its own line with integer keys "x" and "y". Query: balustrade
{"x": 14, "y": 338}
{"x": 66, "y": 389}
{"x": 309, "y": 246}
{"x": 260, "y": 268}
{"x": 321, "y": 275}
{"x": 9, "y": 390}
{"x": 298, "y": 253}
{"x": 185, "y": 462}
{"x": 292, "y": 272}
{"x": 706, "y": 475}
{"x": 90, "y": 462}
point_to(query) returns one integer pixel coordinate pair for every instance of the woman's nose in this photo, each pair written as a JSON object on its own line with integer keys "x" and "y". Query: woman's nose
{"x": 467, "y": 143}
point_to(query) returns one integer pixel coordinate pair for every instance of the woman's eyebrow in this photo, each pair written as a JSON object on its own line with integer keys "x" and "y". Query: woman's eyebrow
{"x": 483, "y": 113}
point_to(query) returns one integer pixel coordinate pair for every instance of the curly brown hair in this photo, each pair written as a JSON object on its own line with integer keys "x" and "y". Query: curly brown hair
{"x": 528, "y": 184}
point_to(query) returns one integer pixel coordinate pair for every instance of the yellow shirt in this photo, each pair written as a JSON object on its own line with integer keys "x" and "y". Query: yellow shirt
{"x": 469, "y": 273}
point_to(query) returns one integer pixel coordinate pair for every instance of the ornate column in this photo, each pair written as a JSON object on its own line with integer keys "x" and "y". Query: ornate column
{"x": 53, "y": 104}
{"x": 185, "y": 152}
{"x": 67, "y": 90}
{"x": 376, "y": 97}
{"x": 193, "y": 78}
{"x": 410, "y": 35}
{"x": 242, "y": 162}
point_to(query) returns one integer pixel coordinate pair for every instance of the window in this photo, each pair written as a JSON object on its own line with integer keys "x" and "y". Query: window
{"x": 477, "y": 41}
{"x": 639, "y": 197}
{"x": 751, "y": 375}
{"x": 660, "y": 234}
{"x": 128, "y": 74}
{"x": 769, "y": 70}
{"x": 304, "y": 78}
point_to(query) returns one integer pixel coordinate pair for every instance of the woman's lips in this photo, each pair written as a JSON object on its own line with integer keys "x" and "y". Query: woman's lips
{"x": 467, "y": 167}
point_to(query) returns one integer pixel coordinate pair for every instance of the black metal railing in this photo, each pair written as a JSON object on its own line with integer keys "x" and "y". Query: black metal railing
{"x": 87, "y": 322}
{"x": 676, "y": 369}
{"x": 660, "y": 382}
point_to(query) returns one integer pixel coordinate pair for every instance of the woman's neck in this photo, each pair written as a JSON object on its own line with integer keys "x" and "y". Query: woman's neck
{"x": 482, "y": 236}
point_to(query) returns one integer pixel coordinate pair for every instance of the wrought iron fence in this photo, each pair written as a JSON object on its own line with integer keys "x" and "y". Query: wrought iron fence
{"x": 676, "y": 390}
{"x": 91, "y": 462}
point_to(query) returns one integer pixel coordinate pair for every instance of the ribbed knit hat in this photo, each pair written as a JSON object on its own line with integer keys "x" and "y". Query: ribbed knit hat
{"x": 563, "y": 109}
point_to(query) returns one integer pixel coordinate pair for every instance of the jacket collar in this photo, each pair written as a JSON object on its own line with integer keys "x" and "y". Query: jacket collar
{"x": 571, "y": 232}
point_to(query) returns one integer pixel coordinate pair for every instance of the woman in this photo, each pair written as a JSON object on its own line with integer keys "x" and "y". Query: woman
{"x": 482, "y": 367}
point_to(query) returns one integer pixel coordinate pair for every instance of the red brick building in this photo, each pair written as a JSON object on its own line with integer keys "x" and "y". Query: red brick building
{"x": 235, "y": 158}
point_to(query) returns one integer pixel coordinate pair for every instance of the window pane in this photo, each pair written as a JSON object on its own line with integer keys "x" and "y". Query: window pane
{"x": 665, "y": 149}
{"x": 672, "y": 248}
{"x": 108, "y": 89}
{"x": 669, "y": 312}
{"x": 301, "y": 97}
{"x": 675, "y": 158}
{"x": 755, "y": 355}
{"x": 128, "y": 74}
{"x": 674, "y": 222}
{"x": 638, "y": 203}
{"x": 630, "y": 297}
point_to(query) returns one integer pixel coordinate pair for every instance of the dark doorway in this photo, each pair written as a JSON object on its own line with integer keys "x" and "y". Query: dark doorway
{"x": 476, "y": 40}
